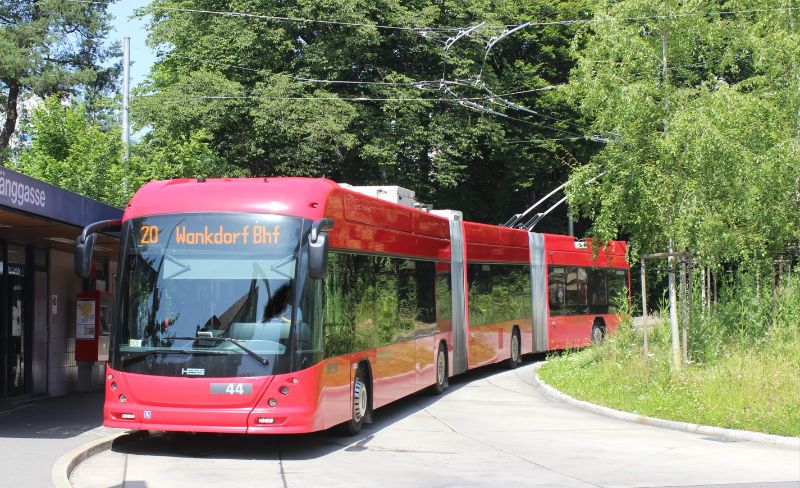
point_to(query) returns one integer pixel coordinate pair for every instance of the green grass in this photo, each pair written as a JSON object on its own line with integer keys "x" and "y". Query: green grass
{"x": 745, "y": 374}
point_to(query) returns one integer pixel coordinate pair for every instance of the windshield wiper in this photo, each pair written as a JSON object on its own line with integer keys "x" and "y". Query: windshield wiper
{"x": 165, "y": 350}
{"x": 258, "y": 357}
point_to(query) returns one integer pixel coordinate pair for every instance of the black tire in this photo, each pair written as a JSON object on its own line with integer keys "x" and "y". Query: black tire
{"x": 441, "y": 371}
{"x": 515, "y": 346}
{"x": 360, "y": 410}
{"x": 598, "y": 333}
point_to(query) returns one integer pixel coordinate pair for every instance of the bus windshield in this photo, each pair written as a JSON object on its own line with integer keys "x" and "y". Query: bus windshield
{"x": 209, "y": 295}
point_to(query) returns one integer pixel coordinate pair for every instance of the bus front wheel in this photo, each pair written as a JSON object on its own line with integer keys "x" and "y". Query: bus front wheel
{"x": 360, "y": 403}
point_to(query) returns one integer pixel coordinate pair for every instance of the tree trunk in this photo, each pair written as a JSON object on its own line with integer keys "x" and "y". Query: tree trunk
{"x": 11, "y": 114}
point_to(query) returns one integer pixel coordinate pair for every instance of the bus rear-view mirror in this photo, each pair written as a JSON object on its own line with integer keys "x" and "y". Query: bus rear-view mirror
{"x": 84, "y": 245}
{"x": 318, "y": 248}
{"x": 83, "y": 255}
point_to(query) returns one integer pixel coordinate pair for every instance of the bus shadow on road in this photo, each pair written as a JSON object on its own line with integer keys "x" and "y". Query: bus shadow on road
{"x": 292, "y": 446}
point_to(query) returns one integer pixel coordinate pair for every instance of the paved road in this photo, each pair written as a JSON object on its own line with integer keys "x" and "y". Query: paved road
{"x": 491, "y": 428}
{"x": 34, "y": 435}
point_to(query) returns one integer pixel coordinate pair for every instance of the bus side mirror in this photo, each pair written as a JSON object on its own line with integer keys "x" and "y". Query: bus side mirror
{"x": 84, "y": 245}
{"x": 318, "y": 248}
{"x": 83, "y": 255}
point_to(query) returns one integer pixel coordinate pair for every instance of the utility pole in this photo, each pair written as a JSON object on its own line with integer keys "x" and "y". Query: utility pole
{"x": 126, "y": 95}
{"x": 645, "y": 333}
{"x": 673, "y": 311}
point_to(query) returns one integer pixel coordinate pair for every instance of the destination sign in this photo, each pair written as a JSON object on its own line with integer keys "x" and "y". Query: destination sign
{"x": 214, "y": 235}
{"x": 217, "y": 232}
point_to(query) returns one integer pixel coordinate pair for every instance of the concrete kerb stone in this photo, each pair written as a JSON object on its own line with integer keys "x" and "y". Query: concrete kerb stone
{"x": 731, "y": 434}
{"x": 66, "y": 464}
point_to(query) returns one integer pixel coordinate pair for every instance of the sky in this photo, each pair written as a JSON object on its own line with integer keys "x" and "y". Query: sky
{"x": 142, "y": 57}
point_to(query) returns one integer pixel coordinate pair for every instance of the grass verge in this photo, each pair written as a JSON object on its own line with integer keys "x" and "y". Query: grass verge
{"x": 745, "y": 375}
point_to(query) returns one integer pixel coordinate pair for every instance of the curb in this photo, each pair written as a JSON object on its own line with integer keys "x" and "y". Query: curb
{"x": 731, "y": 434}
{"x": 66, "y": 464}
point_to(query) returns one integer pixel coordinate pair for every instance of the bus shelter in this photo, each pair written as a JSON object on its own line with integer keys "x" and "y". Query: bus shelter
{"x": 39, "y": 289}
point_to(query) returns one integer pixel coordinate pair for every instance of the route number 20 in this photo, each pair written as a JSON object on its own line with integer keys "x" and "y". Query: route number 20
{"x": 149, "y": 234}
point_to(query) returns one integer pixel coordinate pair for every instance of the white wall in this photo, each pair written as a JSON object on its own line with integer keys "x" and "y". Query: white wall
{"x": 62, "y": 369}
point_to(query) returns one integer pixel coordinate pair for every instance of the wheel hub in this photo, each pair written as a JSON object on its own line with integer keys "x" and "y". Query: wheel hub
{"x": 359, "y": 400}
{"x": 440, "y": 368}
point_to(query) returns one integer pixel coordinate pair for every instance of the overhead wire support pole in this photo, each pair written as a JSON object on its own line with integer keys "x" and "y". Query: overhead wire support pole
{"x": 126, "y": 98}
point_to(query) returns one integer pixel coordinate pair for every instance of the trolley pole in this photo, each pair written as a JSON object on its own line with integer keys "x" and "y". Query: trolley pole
{"x": 126, "y": 94}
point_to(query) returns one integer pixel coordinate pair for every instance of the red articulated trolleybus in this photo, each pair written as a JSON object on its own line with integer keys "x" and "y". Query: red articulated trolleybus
{"x": 287, "y": 305}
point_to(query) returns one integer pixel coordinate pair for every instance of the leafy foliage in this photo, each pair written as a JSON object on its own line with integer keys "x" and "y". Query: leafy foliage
{"x": 708, "y": 147}
{"x": 52, "y": 46}
{"x": 69, "y": 151}
{"x": 73, "y": 152}
{"x": 397, "y": 124}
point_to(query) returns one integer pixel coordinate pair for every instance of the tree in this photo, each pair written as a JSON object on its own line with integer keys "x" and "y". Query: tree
{"x": 51, "y": 46}
{"x": 708, "y": 147}
{"x": 69, "y": 151}
{"x": 368, "y": 94}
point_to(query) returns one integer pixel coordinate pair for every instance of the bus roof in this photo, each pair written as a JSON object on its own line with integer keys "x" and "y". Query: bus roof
{"x": 316, "y": 198}
{"x": 304, "y": 197}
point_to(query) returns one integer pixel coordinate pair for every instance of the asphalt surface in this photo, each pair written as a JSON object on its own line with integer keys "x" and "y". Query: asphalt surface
{"x": 34, "y": 434}
{"x": 491, "y": 428}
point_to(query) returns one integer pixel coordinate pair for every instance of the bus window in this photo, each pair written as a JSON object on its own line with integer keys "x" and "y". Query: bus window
{"x": 617, "y": 285}
{"x": 598, "y": 298}
{"x": 557, "y": 290}
{"x": 576, "y": 291}
{"x": 479, "y": 284}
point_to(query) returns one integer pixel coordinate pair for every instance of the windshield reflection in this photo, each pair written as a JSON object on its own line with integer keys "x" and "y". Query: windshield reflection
{"x": 207, "y": 302}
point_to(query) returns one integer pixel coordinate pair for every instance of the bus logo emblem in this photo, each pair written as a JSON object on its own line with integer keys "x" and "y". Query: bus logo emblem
{"x": 148, "y": 414}
{"x": 193, "y": 371}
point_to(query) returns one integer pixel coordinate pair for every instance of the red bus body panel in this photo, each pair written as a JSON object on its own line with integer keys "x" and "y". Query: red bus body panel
{"x": 575, "y": 330}
{"x": 319, "y": 396}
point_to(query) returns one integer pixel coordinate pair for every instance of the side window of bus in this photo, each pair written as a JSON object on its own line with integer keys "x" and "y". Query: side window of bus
{"x": 617, "y": 285}
{"x": 338, "y": 313}
{"x": 479, "y": 283}
{"x": 425, "y": 307}
{"x": 511, "y": 292}
{"x": 598, "y": 298}
{"x": 576, "y": 291}
{"x": 557, "y": 290}
{"x": 444, "y": 304}
{"x": 373, "y": 301}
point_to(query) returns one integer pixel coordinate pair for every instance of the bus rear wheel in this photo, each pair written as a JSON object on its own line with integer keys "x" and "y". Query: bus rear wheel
{"x": 514, "y": 360}
{"x": 441, "y": 371}
{"x": 598, "y": 333}
{"x": 360, "y": 403}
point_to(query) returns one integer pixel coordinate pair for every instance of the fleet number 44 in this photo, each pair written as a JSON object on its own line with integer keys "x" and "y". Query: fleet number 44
{"x": 231, "y": 388}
